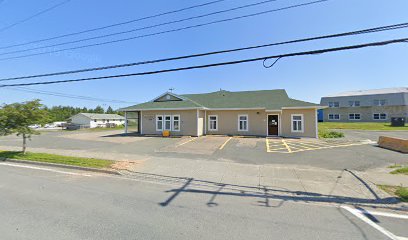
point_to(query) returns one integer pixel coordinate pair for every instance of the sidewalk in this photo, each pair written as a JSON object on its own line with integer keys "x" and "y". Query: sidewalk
{"x": 275, "y": 182}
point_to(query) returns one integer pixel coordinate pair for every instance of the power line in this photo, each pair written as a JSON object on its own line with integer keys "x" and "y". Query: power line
{"x": 357, "y": 32}
{"x": 57, "y": 94}
{"x": 141, "y": 28}
{"x": 167, "y": 31}
{"x": 314, "y": 52}
{"x": 115, "y": 25}
{"x": 33, "y": 16}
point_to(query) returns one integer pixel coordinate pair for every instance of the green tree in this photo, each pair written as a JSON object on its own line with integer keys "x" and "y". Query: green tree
{"x": 17, "y": 118}
{"x": 110, "y": 110}
{"x": 99, "y": 109}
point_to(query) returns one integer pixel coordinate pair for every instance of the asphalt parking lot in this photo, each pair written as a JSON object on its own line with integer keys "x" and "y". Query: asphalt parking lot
{"x": 357, "y": 151}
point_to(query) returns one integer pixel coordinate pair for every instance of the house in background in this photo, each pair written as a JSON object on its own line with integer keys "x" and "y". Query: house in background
{"x": 377, "y": 105}
{"x": 252, "y": 113}
{"x": 93, "y": 120}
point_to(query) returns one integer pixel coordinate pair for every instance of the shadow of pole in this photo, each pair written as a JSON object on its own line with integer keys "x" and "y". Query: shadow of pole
{"x": 176, "y": 193}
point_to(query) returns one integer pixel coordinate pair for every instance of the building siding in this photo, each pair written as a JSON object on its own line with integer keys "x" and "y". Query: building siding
{"x": 188, "y": 121}
{"x": 309, "y": 123}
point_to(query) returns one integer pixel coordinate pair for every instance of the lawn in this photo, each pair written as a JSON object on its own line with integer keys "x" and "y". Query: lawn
{"x": 52, "y": 158}
{"x": 401, "y": 170}
{"x": 360, "y": 126}
{"x": 400, "y": 192}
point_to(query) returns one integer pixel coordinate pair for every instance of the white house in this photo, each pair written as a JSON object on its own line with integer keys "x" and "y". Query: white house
{"x": 93, "y": 120}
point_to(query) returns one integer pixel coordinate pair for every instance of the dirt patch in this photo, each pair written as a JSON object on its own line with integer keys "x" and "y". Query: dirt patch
{"x": 126, "y": 165}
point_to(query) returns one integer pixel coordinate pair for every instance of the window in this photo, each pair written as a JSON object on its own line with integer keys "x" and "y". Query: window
{"x": 176, "y": 123}
{"x": 380, "y": 116}
{"x": 334, "y": 104}
{"x": 242, "y": 122}
{"x": 354, "y": 116}
{"x": 297, "y": 123}
{"x": 167, "y": 122}
{"x": 213, "y": 123}
{"x": 354, "y": 103}
{"x": 380, "y": 102}
{"x": 159, "y": 123}
{"x": 334, "y": 116}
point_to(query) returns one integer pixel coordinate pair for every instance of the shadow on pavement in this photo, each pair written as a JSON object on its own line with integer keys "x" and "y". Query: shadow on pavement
{"x": 261, "y": 193}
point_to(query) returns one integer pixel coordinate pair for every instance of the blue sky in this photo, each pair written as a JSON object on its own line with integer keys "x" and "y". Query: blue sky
{"x": 306, "y": 78}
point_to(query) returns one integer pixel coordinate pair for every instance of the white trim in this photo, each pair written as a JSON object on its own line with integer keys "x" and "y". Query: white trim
{"x": 307, "y": 107}
{"x": 164, "y": 122}
{"x": 354, "y": 117}
{"x": 247, "y": 122}
{"x": 168, "y": 93}
{"x": 317, "y": 124}
{"x": 179, "y": 122}
{"x": 279, "y": 125}
{"x": 301, "y": 121}
{"x": 205, "y": 122}
{"x": 333, "y": 119}
{"x": 379, "y": 117}
{"x": 232, "y": 109}
{"x": 279, "y": 111}
{"x": 198, "y": 130}
{"x": 209, "y": 123}
{"x": 141, "y": 122}
{"x": 156, "y": 117}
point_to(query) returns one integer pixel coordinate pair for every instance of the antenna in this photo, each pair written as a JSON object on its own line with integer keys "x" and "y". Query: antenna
{"x": 171, "y": 89}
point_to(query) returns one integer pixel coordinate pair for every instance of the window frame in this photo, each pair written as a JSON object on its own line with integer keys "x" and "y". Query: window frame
{"x": 352, "y": 103}
{"x": 302, "y": 123}
{"x": 333, "y": 119}
{"x": 209, "y": 123}
{"x": 164, "y": 122}
{"x": 247, "y": 122}
{"x": 379, "y": 116}
{"x": 157, "y": 120}
{"x": 354, "y": 118}
{"x": 333, "y": 104}
{"x": 179, "y": 122}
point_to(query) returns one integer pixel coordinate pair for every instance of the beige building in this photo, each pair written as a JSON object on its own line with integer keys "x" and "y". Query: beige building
{"x": 249, "y": 113}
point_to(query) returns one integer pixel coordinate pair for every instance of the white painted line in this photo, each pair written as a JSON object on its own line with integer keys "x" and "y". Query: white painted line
{"x": 384, "y": 214}
{"x": 361, "y": 216}
{"x": 402, "y": 238}
{"x": 45, "y": 169}
{"x": 192, "y": 139}
{"x": 225, "y": 143}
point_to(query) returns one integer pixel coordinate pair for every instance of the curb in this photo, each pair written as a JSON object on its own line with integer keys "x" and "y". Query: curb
{"x": 113, "y": 172}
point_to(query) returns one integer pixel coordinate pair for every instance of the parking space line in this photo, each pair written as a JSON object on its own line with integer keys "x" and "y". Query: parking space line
{"x": 286, "y": 145}
{"x": 267, "y": 145}
{"x": 225, "y": 143}
{"x": 365, "y": 219}
{"x": 190, "y": 140}
{"x": 384, "y": 214}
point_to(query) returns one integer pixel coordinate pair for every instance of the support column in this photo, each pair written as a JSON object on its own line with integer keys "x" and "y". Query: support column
{"x": 126, "y": 123}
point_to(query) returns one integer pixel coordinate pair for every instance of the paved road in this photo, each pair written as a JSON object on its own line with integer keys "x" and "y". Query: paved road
{"x": 39, "y": 204}
{"x": 247, "y": 151}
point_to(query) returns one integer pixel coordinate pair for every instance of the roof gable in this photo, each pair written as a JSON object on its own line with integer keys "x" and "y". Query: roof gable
{"x": 168, "y": 96}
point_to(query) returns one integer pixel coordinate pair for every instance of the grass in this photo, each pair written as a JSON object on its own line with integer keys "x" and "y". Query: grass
{"x": 400, "y": 192}
{"x": 330, "y": 134}
{"x": 401, "y": 170}
{"x": 360, "y": 126}
{"x": 52, "y": 158}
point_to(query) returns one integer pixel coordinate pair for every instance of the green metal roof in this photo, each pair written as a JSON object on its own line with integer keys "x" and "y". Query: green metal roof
{"x": 268, "y": 99}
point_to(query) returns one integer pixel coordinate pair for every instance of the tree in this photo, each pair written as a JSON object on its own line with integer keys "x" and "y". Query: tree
{"x": 17, "y": 118}
{"x": 110, "y": 110}
{"x": 99, "y": 109}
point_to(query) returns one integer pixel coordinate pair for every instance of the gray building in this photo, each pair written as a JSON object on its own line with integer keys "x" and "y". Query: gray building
{"x": 377, "y": 105}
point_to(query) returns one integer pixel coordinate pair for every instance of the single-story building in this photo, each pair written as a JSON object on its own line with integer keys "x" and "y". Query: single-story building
{"x": 252, "y": 113}
{"x": 93, "y": 120}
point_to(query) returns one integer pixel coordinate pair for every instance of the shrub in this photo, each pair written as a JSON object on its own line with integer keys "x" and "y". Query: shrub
{"x": 331, "y": 134}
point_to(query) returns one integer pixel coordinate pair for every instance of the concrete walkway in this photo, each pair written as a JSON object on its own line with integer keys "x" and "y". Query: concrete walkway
{"x": 282, "y": 182}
